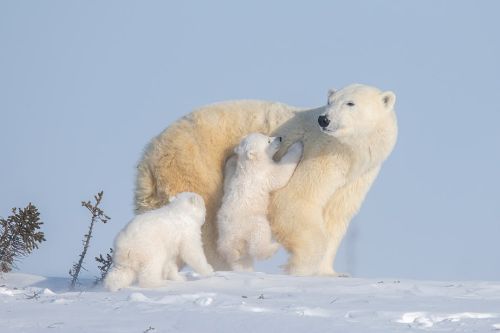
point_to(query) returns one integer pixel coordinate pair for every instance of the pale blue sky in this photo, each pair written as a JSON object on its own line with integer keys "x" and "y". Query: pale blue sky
{"x": 84, "y": 85}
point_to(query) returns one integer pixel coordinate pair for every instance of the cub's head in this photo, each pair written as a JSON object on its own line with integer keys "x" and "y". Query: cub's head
{"x": 355, "y": 111}
{"x": 258, "y": 147}
{"x": 190, "y": 203}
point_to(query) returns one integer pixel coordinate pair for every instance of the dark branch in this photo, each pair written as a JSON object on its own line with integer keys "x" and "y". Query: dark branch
{"x": 19, "y": 236}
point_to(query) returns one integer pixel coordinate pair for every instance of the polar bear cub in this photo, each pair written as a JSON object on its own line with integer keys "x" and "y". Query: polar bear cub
{"x": 249, "y": 177}
{"x": 149, "y": 247}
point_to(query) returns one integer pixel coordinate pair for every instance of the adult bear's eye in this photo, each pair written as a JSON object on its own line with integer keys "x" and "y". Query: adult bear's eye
{"x": 350, "y": 104}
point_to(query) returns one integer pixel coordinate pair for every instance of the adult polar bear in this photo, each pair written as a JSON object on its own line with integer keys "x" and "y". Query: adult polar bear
{"x": 345, "y": 143}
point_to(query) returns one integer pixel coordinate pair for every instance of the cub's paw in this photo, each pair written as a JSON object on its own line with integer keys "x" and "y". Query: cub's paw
{"x": 208, "y": 270}
{"x": 296, "y": 147}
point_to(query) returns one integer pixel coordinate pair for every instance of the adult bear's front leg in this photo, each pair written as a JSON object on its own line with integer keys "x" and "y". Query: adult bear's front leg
{"x": 296, "y": 211}
{"x": 339, "y": 211}
{"x": 299, "y": 227}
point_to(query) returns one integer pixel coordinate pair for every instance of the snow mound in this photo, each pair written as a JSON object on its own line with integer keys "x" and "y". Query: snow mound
{"x": 425, "y": 320}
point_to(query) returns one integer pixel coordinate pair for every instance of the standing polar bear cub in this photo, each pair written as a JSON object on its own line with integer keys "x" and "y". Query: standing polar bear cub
{"x": 250, "y": 176}
{"x": 149, "y": 247}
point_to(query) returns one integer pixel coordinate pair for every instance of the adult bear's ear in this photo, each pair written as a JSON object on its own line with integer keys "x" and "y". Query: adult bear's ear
{"x": 389, "y": 99}
{"x": 331, "y": 92}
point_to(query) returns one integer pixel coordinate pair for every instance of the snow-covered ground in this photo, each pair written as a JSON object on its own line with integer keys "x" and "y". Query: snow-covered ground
{"x": 250, "y": 302}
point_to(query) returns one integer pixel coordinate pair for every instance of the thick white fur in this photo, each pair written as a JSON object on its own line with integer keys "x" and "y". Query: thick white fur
{"x": 339, "y": 164}
{"x": 249, "y": 177}
{"x": 309, "y": 216}
{"x": 150, "y": 246}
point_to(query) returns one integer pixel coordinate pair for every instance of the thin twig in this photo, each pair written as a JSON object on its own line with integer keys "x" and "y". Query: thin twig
{"x": 97, "y": 215}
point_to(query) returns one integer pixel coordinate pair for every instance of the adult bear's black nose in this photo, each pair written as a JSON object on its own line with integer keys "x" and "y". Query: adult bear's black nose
{"x": 323, "y": 121}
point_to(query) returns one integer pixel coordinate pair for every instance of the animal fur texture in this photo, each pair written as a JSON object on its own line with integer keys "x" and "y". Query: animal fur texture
{"x": 150, "y": 246}
{"x": 249, "y": 178}
{"x": 309, "y": 216}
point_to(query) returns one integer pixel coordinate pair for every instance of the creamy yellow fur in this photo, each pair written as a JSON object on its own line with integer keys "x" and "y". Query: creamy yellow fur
{"x": 309, "y": 216}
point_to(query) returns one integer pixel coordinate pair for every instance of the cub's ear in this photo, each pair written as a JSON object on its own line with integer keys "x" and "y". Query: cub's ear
{"x": 331, "y": 92}
{"x": 389, "y": 99}
{"x": 251, "y": 154}
{"x": 196, "y": 201}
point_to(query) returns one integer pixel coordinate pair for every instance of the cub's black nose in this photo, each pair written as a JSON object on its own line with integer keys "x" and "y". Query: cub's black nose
{"x": 280, "y": 138}
{"x": 323, "y": 121}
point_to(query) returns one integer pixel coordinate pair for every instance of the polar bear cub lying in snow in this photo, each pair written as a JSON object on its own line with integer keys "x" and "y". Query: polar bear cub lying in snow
{"x": 249, "y": 177}
{"x": 149, "y": 247}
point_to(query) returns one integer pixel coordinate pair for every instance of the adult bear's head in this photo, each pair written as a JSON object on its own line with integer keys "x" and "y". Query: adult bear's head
{"x": 355, "y": 111}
